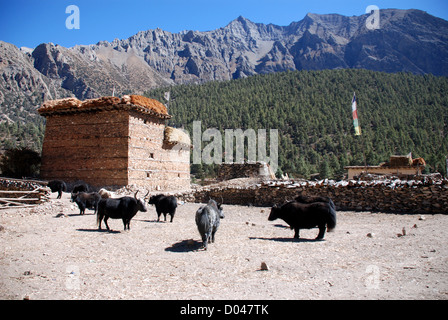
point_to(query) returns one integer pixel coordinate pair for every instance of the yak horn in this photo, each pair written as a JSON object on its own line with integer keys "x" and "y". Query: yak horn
{"x": 135, "y": 195}
{"x": 146, "y": 195}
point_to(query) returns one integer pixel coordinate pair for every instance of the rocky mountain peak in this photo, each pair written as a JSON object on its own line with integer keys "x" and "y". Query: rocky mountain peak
{"x": 408, "y": 40}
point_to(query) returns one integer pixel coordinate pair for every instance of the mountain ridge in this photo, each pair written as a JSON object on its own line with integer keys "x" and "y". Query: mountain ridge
{"x": 407, "y": 40}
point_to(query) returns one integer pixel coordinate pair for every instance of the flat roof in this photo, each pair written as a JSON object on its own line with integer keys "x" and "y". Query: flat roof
{"x": 136, "y": 103}
{"x": 383, "y": 167}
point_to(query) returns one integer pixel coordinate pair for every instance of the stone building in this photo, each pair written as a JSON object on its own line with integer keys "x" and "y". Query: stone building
{"x": 260, "y": 170}
{"x": 114, "y": 142}
{"x": 397, "y": 165}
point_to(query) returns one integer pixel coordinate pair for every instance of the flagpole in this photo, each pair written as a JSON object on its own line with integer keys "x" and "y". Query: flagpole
{"x": 363, "y": 141}
{"x": 168, "y": 105}
{"x": 446, "y": 162}
{"x": 167, "y": 97}
{"x": 357, "y": 128}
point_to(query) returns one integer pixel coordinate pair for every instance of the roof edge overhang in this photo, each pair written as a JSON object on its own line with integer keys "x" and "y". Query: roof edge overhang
{"x": 121, "y": 106}
{"x": 384, "y": 167}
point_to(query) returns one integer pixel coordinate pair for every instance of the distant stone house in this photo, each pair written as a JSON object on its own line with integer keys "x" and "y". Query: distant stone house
{"x": 114, "y": 142}
{"x": 397, "y": 165}
{"x": 260, "y": 170}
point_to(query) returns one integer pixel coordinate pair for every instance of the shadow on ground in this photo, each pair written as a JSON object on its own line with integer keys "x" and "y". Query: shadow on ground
{"x": 185, "y": 246}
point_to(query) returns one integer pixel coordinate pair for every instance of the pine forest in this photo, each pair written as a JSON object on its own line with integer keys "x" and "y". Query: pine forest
{"x": 398, "y": 114}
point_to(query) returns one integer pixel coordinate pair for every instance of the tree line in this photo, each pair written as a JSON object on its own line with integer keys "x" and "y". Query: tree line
{"x": 398, "y": 113}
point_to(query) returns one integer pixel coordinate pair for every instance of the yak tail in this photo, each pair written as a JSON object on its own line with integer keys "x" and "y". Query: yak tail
{"x": 99, "y": 216}
{"x": 331, "y": 222}
{"x": 203, "y": 221}
{"x": 98, "y": 219}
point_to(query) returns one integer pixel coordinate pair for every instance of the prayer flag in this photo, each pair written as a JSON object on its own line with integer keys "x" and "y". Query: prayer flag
{"x": 355, "y": 116}
{"x": 167, "y": 96}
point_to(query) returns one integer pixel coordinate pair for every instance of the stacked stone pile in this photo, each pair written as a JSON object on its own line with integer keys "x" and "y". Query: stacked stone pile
{"x": 71, "y": 104}
{"x": 20, "y": 185}
{"x": 424, "y": 195}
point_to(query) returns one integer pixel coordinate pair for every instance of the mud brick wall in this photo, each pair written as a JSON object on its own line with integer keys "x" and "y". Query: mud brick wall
{"x": 152, "y": 163}
{"x": 113, "y": 148}
{"x": 398, "y": 196}
{"x": 92, "y": 147}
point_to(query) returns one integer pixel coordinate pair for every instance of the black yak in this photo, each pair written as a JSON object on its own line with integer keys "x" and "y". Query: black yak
{"x": 57, "y": 186}
{"x": 306, "y": 216}
{"x": 208, "y": 220}
{"x": 86, "y": 200}
{"x": 124, "y": 208}
{"x": 311, "y": 199}
{"x": 80, "y": 187}
{"x": 164, "y": 204}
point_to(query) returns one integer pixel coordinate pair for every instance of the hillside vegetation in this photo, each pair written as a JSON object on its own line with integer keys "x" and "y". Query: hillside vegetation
{"x": 398, "y": 113}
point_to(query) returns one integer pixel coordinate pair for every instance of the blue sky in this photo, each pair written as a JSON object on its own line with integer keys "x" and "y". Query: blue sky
{"x": 31, "y": 22}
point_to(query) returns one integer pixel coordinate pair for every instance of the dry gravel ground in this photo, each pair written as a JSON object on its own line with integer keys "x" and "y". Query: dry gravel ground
{"x": 47, "y": 257}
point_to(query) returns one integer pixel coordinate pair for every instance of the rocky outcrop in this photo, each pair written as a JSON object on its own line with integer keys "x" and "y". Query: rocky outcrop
{"x": 22, "y": 87}
{"x": 407, "y": 40}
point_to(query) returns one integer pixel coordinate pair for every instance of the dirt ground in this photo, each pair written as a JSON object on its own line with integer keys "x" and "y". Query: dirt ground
{"x": 43, "y": 256}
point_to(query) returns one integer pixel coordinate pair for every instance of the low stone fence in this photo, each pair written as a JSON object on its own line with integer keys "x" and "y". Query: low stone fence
{"x": 20, "y": 184}
{"x": 228, "y": 171}
{"x": 17, "y": 193}
{"x": 401, "y": 196}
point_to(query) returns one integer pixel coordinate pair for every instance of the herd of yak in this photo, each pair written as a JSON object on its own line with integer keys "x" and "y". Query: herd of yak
{"x": 304, "y": 212}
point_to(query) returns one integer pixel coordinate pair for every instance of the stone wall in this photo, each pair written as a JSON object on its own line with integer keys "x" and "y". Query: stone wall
{"x": 229, "y": 171}
{"x": 401, "y": 196}
{"x": 10, "y": 184}
{"x": 113, "y": 147}
{"x": 92, "y": 147}
{"x": 18, "y": 193}
{"x": 153, "y": 164}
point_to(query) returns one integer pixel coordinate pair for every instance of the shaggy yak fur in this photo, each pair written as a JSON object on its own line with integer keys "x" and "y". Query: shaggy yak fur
{"x": 208, "y": 220}
{"x": 306, "y": 216}
{"x": 86, "y": 200}
{"x": 165, "y": 205}
{"x": 124, "y": 208}
{"x": 57, "y": 186}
